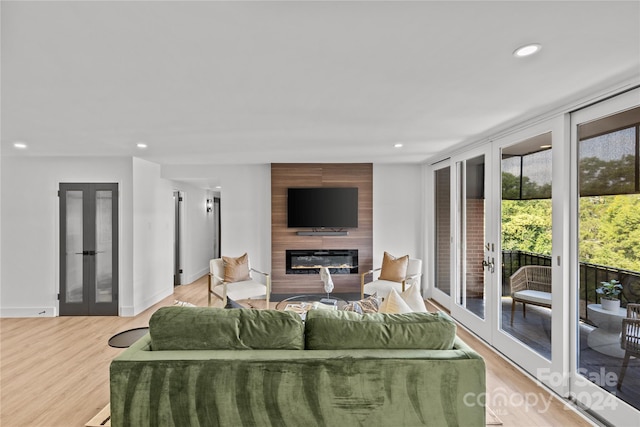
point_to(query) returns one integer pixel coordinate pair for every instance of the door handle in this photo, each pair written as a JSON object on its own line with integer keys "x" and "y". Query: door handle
{"x": 489, "y": 263}
{"x": 86, "y": 253}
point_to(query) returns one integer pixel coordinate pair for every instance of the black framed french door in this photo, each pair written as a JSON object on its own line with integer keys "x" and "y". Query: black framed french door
{"x": 88, "y": 249}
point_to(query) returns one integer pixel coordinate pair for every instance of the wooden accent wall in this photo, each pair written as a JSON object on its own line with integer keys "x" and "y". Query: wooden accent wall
{"x": 285, "y": 175}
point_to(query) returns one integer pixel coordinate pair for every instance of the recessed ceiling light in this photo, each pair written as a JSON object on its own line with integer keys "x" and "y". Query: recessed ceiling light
{"x": 20, "y": 145}
{"x": 141, "y": 145}
{"x": 526, "y": 50}
{"x": 398, "y": 145}
{"x": 218, "y": 187}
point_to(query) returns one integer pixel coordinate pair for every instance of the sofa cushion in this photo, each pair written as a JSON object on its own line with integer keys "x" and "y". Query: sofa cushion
{"x": 394, "y": 269}
{"x": 333, "y": 330}
{"x": 207, "y": 328}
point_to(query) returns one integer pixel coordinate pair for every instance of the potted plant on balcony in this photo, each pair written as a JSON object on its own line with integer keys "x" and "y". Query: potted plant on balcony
{"x": 609, "y": 292}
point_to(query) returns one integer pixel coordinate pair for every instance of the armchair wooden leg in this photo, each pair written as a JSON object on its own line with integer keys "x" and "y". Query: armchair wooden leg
{"x": 209, "y": 290}
{"x": 268, "y": 292}
{"x": 513, "y": 310}
{"x": 625, "y": 362}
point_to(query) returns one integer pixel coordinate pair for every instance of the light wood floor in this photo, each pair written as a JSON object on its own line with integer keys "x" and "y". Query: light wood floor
{"x": 55, "y": 371}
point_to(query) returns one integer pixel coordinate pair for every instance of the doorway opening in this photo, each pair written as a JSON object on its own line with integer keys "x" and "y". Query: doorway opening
{"x": 177, "y": 265}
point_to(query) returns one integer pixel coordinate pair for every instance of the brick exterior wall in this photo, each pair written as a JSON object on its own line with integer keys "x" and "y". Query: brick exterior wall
{"x": 475, "y": 247}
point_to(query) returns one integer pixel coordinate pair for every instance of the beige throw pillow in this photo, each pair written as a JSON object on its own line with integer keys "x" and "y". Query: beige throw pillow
{"x": 236, "y": 269}
{"x": 394, "y": 303}
{"x": 414, "y": 299}
{"x": 394, "y": 269}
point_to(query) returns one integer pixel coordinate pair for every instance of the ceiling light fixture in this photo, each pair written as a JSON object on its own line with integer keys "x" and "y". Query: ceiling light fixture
{"x": 141, "y": 145}
{"x": 20, "y": 145}
{"x": 527, "y": 50}
{"x": 398, "y": 145}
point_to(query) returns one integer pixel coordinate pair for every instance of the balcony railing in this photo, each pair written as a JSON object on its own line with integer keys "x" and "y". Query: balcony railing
{"x": 590, "y": 277}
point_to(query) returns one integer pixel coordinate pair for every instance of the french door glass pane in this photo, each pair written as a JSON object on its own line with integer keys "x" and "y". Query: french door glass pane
{"x": 104, "y": 247}
{"x": 443, "y": 230}
{"x": 74, "y": 247}
{"x": 609, "y": 238}
{"x": 526, "y": 239}
{"x": 472, "y": 233}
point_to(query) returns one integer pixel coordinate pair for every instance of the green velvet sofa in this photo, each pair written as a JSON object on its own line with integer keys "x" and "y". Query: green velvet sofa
{"x": 241, "y": 367}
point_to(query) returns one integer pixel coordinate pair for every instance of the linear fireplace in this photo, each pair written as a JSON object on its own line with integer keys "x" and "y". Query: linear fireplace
{"x": 309, "y": 261}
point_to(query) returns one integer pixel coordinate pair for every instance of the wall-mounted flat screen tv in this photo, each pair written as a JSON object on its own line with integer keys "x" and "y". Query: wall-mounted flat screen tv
{"x": 323, "y": 207}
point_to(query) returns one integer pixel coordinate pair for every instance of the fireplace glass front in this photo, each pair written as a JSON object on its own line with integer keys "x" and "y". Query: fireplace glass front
{"x": 339, "y": 261}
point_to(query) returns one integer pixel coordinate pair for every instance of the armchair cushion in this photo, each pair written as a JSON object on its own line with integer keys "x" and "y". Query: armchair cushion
{"x": 533, "y": 297}
{"x": 205, "y": 328}
{"x": 236, "y": 269}
{"x": 394, "y": 269}
{"x": 242, "y": 290}
{"x": 336, "y": 329}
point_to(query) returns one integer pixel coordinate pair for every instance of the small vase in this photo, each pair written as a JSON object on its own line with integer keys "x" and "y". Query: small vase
{"x": 610, "y": 304}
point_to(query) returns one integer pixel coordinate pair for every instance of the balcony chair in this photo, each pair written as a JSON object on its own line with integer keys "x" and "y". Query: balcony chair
{"x": 630, "y": 338}
{"x": 530, "y": 284}
{"x": 395, "y": 273}
{"x": 230, "y": 278}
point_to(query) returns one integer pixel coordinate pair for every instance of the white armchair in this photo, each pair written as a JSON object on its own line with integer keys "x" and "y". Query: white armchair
{"x": 382, "y": 287}
{"x": 236, "y": 290}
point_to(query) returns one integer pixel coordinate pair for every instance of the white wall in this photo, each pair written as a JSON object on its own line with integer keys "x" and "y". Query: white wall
{"x": 30, "y": 227}
{"x": 245, "y": 207}
{"x": 245, "y": 204}
{"x": 152, "y": 237}
{"x": 397, "y": 211}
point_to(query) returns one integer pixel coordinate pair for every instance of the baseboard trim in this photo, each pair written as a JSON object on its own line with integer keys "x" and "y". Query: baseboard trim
{"x": 193, "y": 277}
{"x": 28, "y": 312}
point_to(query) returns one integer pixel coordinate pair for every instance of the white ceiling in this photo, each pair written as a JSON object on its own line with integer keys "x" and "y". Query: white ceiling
{"x": 260, "y": 82}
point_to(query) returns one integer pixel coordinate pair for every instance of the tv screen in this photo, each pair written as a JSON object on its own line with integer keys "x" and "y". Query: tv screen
{"x": 322, "y": 207}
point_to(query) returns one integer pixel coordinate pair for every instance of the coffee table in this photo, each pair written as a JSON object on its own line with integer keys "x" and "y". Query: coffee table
{"x": 310, "y": 299}
{"x": 125, "y": 338}
{"x": 303, "y": 303}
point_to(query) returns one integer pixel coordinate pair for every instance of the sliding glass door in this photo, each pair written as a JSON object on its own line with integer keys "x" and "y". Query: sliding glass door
{"x": 606, "y": 203}
{"x": 475, "y": 253}
{"x": 532, "y": 293}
